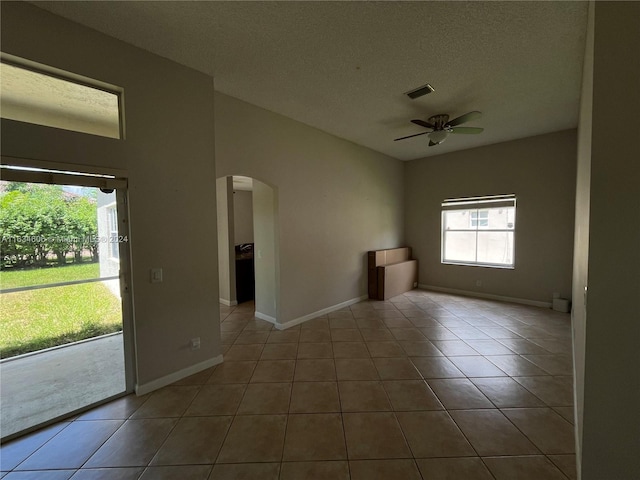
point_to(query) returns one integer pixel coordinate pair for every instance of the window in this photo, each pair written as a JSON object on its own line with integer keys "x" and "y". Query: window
{"x": 113, "y": 233}
{"x": 32, "y": 96}
{"x": 479, "y": 231}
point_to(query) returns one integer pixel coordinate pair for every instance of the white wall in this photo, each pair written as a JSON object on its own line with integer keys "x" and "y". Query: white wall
{"x": 168, "y": 156}
{"x": 611, "y": 417}
{"x": 336, "y": 201}
{"x": 242, "y": 216}
{"x": 541, "y": 172}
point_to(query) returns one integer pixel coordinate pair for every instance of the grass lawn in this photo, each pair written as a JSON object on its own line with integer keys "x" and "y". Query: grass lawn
{"x": 37, "y": 319}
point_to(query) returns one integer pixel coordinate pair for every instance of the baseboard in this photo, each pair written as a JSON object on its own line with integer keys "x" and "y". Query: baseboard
{"x": 227, "y": 302}
{"x": 324, "y": 311}
{"x": 265, "y": 317}
{"x": 145, "y": 388}
{"x": 501, "y": 298}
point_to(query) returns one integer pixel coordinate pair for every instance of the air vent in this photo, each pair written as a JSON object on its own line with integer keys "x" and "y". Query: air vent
{"x": 420, "y": 91}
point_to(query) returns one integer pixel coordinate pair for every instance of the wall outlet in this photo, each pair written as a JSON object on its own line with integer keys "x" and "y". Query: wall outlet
{"x": 156, "y": 275}
{"x": 195, "y": 343}
{"x": 478, "y": 283}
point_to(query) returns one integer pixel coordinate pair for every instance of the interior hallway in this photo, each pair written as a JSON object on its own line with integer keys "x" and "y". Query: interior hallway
{"x": 425, "y": 386}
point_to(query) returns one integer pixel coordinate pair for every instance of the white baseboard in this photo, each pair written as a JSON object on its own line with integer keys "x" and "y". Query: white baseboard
{"x": 490, "y": 296}
{"x": 227, "y": 302}
{"x": 265, "y": 317}
{"x": 149, "y": 387}
{"x": 324, "y": 311}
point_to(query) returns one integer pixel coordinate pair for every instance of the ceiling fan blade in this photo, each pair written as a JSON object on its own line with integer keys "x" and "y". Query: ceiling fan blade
{"x": 424, "y": 124}
{"x": 467, "y": 130}
{"x": 409, "y": 136}
{"x": 464, "y": 118}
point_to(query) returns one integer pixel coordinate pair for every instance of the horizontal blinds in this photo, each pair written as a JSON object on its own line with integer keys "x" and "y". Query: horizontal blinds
{"x": 18, "y": 174}
{"x": 472, "y": 203}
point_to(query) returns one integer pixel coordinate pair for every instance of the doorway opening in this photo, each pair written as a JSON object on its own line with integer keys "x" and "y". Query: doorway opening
{"x": 248, "y": 245}
{"x": 64, "y": 322}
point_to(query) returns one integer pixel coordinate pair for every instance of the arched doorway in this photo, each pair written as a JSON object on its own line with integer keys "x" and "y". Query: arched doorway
{"x": 247, "y": 232}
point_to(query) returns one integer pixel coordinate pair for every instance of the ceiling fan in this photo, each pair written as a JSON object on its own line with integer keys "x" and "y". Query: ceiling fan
{"x": 441, "y": 127}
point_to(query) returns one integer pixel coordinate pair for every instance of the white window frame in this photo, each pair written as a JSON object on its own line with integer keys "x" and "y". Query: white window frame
{"x": 112, "y": 224}
{"x": 477, "y": 203}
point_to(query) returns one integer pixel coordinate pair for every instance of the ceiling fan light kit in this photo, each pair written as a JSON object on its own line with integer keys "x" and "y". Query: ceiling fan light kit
{"x": 441, "y": 127}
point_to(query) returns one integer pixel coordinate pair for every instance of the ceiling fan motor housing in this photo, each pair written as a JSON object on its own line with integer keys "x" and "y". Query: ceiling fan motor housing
{"x": 439, "y": 121}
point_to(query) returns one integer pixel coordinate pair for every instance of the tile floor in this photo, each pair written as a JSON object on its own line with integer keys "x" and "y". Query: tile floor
{"x": 426, "y": 386}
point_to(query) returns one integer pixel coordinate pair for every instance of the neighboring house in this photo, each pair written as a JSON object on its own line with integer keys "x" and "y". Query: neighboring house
{"x": 108, "y": 248}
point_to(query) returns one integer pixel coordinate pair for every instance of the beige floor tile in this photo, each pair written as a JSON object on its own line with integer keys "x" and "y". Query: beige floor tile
{"x": 433, "y": 434}
{"x": 342, "y": 322}
{"x": 233, "y": 372}
{"x": 356, "y": 369}
{"x": 438, "y": 333}
{"x": 199, "y": 378}
{"x": 252, "y": 337}
{"x": 477, "y": 366}
{"x": 315, "y": 336}
{"x": 459, "y": 393}
{"x": 568, "y": 413}
{"x": 119, "y": 409}
{"x": 421, "y": 319}
{"x": 183, "y": 472}
{"x": 453, "y": 348}
{"x": 505, "y": 392}
{"x": 522, "y": 346}
{"x": 408, "y": 395}
{"x": 350, "y": 350}
{"x": 463, "y": 468}
{"x": 284, "y": 336}
{"x": 363, "y": 396}
{"x": 227, "y": 338}
{"x": 243, "y": 352}
{"x": 489, "y": 347}
{"x": 420, "y": 349}
{"x": 195, "y": 440}
{"x": 552, "y": 364}
{"x": 498, "y": 332}
{"x": 332, "y": 470}
{"x": 167, "y": 402}
{"x": 396, "y": 321}
{"x": 554, "y": 391}
{"x": 384, "y": 470}
{"x": 436, "y": 367}
{"x": 566, "y": 463}
{"x": 261, "y": 398}
{"x": 377, "y": 335}
{"x": 559, "y": 346}
{"x": 515, "y": 365}
{"x": 315, "y": 350}
{"x": 523, "y": 468}
{"x": 279, "y": 351}
{"x": 246, "y": 471}
{"x": 131, "y": 473}
{"x": 548, "y": 431}
{"x": 216, "y": 400}
{"x": 407, "y": 334}
{"x": 396, "y": 369}
{"x": 314, "y": 397}
{"x": 72, "y": 446}
{"x": 14, "y": 452}
{"x": 374, "y": 436}
{"x": 346, "y": 335}
{"x": 370, "y": 323}
{"x": 315, "y": 370}
{"x": 254, "y": 438}
{"x": 491, "y": 433}
{"x": 385, "y": 349}
{"x": 134, "y": 444}
{"x": 468, "y": 333}
{"x": 316, "y": 324}
{"x": 257, "y": 324}
{"x": 312, "y": 437}
{"x": 40, "y": 475}
{"x": 273, "y": 371}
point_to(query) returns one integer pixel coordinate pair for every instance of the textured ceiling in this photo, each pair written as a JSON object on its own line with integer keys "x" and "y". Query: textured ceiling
{"x": 343, "y": 66}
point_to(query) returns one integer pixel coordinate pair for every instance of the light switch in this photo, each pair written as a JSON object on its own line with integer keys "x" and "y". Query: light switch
{"x": 156, "y": 275}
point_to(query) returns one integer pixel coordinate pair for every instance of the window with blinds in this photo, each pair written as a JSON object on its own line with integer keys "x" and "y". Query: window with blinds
{"x": 479, "y": 231}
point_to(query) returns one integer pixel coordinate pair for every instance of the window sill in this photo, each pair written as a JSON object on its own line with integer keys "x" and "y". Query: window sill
{"x": 485, "y": 265}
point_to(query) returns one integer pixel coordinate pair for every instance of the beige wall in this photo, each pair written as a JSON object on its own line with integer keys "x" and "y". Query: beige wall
{"x": 611, "y": 417}
{"x": 242, "y": 217}
{"x": 226, "y": 250}
{"x": 541, "y": 172}
{"x": 336, "y": 200}
{"x": 168, "y": 155}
